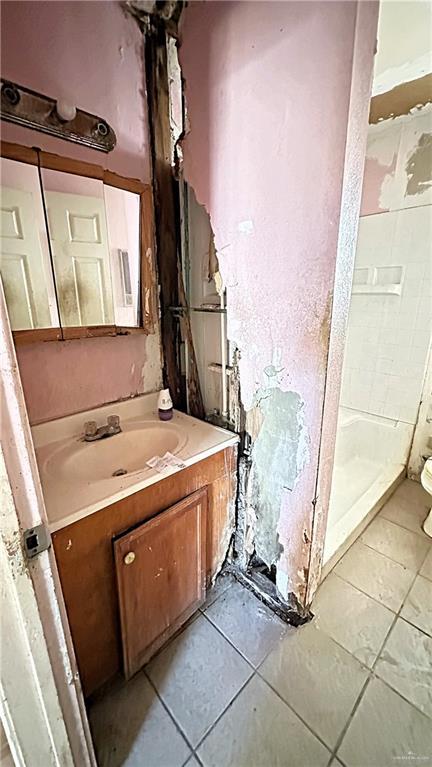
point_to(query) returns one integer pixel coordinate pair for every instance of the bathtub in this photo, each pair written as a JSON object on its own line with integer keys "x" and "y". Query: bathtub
{"x": 371, "y": 453}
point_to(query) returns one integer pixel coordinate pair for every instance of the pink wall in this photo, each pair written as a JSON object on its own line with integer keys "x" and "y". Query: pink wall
{"x": 90, "y": 53}
{"x": 268, "y": 94}
{"x": 50, "y": 370}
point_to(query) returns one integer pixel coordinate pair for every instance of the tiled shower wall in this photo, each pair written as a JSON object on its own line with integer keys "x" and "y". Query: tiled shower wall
{"x": 389, "y": 332}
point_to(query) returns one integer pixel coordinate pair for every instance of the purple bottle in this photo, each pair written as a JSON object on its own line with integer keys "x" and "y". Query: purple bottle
{"x": 165, "y": 405}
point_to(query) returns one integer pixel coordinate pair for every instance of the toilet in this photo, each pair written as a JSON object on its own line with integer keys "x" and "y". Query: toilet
{"x": 426, "y": 480}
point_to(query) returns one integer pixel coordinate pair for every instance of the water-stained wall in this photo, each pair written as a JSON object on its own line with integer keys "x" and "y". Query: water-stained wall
{"x": 268, "y": 96}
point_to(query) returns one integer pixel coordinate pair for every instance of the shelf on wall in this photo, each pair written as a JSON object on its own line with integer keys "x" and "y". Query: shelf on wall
{"x": 378, "y": 280}
{"x": 395, "y": 289}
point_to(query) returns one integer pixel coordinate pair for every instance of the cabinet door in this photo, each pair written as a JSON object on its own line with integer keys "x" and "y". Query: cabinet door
{"x": 160, "y": 569}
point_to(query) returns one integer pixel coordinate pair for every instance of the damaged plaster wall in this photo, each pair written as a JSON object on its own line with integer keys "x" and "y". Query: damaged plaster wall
{"x": 265, "y": 155}
{"x": 398, "y": 163}
{"x": 72, "y": 50}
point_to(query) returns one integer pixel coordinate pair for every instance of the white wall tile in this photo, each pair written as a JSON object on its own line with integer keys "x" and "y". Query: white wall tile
{"x": 388, "y": 335}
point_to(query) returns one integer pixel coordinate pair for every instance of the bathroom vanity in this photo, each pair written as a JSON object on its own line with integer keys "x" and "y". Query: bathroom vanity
{"x": 135, "y": 547}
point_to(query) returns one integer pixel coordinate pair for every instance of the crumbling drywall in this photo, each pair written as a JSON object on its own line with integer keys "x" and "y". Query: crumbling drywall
{"x": 265, "y": 155}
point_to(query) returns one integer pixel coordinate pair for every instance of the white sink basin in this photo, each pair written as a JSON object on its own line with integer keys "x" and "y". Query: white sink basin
{"x": 113, "y": 457}
{"x": 79, "y": 478}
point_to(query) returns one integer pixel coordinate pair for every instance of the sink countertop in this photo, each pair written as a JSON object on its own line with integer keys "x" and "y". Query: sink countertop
{"x": 65, "y": 460}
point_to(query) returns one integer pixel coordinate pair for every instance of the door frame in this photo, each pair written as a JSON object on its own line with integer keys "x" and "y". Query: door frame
{"x": 48, "y": 679}
{"x": 352, "y": 185}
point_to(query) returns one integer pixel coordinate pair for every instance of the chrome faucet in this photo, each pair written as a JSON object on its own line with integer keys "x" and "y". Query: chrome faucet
{"x": 92, "y": 432}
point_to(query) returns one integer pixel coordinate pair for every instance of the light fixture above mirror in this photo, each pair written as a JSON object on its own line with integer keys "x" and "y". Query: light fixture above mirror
{"x": 59, "y": 117}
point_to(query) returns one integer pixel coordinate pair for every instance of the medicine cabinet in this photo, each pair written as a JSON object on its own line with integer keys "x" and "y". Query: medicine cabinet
{"x": 76, "y": 248}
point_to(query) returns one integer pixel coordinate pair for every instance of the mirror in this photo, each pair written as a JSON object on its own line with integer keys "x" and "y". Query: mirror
{"x": 25, "y": 258}
{"x": 123, "y": 218}
{"x": 94, "y": 234}
{"x": 70, "y": 248}
{"x": 78, "y": 235}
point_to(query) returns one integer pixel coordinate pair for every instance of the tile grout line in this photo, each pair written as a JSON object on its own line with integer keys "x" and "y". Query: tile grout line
{"x": 369, "y": 670}
{"x": 362, "y": 693}
{"x": 171, "y": 715}
{"x": 365, "y": 686}
{"x": 362, "y": 591}
{"x": 255, "y": 672}
{"x": 291, "y": 708}
{"x": 351, "y": 715}
{"x": 373, "y": 675}
{"x": 230, "y": 641}
{"x": 402, "y": 697}
{"x": 172, "y": 718}
{"x": 386, "y": 555}
{"x": 399, "y": 616}
{"x": 414, "y": 625}
{"x": 422, "y": 535}
{"x": 227, "y": 707}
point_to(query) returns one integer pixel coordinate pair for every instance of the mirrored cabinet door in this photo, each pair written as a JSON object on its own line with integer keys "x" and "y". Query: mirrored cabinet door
{"x": 74, "y": 248}
{"x": 25, "y": 258}
{"x": 78, "y": 235}
{"x": 123, "y": 220}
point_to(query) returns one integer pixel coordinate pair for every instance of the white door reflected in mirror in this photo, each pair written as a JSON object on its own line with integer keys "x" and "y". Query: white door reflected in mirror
{"x": 92, "y": 245}
{"x": 25, "y": 259}
{"x": 79, "y": 242}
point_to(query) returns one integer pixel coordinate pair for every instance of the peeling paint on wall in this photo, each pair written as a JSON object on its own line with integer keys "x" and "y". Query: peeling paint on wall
{"x": 377, "y": 175}
{"x": 398, "y": 168}
{"x": 275, "y": 232}
{"x": 419, "y": 166}
{"x": 275, "y": 464}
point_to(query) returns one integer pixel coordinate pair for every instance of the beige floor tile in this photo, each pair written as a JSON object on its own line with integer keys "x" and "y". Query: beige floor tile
{"x": 376, "y": 575}
{"x": 426, "y": 568}
{"x": 355, "y": 620}
{"x": 131, "y": 727}
{"x": 418, "y": 606}
{"x": 406, "y": 513}
{"x": 401, "y": 545}
{"x": 386, "y": 731}
{"x": 317, "y": 677}
{"x": 197, "y": 675}
{"x": 247, "y": 623}
{"x": 406, "y": 664}
{"x": 259, "y": 730}
{"x": 412, "y": 491}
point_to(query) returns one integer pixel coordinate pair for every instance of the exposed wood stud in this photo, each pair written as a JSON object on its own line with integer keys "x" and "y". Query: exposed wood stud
{"x": 166, "y": 199}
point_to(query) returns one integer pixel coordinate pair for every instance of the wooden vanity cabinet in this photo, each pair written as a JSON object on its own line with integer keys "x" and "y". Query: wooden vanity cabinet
{"x": 86, "y": 559}
{"x": 160, "y": 569}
